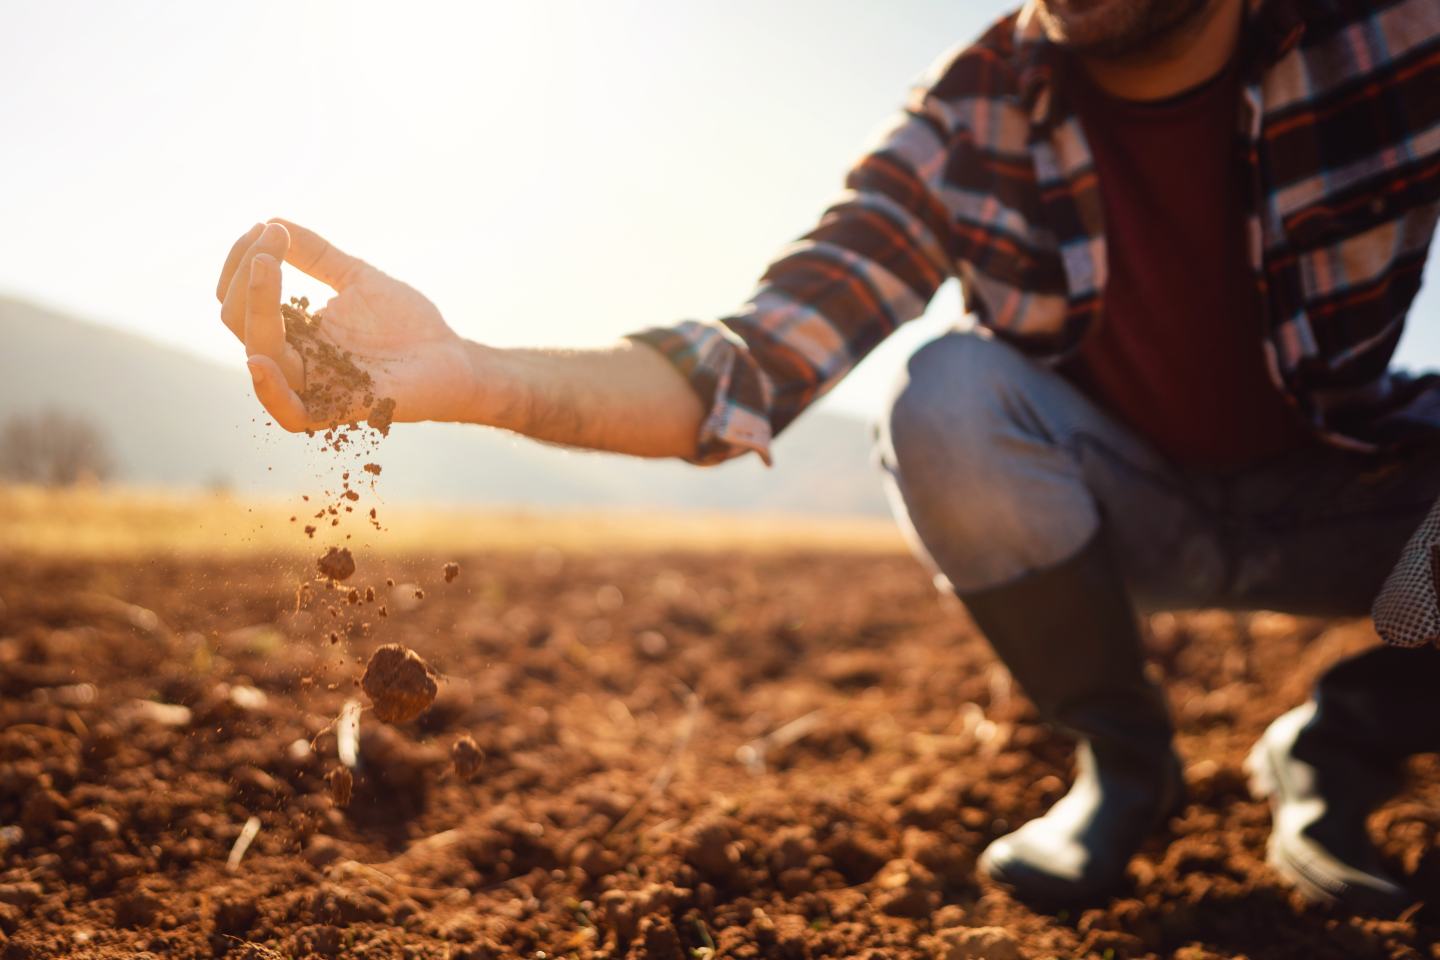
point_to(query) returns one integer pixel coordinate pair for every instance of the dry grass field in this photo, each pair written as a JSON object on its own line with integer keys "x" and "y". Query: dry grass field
{"x": 102, "y": 523}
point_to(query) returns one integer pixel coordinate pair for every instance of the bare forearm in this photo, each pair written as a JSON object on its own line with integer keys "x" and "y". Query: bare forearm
{"x": 624, "y": 399}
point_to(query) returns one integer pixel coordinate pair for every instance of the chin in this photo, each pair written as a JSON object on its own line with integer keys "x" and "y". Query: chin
{"x": 1115, "y": 28}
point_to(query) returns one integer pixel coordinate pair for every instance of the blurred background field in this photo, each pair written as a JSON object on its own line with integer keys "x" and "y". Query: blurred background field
{"x": 98, "y": 522}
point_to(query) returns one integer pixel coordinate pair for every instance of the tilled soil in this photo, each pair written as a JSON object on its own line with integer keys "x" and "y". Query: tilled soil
{"x": 670, "y": 757}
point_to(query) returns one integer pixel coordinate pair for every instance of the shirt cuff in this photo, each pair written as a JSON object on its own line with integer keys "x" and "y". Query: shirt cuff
{"x": 735, "y": 392}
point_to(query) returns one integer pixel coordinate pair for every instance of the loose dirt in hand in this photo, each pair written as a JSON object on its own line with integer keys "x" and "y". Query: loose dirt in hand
{"x": 336, "y": 564}
{"x": 382, "y": 415}
{"x": 398, "y": 683}
{"x": 116, "y": 819}
{"x": 334, "y": 385}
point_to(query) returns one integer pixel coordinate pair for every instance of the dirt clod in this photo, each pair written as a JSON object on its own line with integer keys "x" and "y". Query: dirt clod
{"x": 398, "y": 683}
{"x": 467, "y": 757}
{"x": 452, "y": 570}
{"x": 342, "y": 785}
{"x": 978, "y": 943}
{"x": 337, "y": 564}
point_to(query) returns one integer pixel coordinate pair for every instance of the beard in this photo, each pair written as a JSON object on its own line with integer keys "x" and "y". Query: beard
{"x": 1116, "y": 29}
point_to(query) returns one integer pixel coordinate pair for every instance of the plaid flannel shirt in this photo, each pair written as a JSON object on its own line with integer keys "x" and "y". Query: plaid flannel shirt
{"x": 986, "y": 176}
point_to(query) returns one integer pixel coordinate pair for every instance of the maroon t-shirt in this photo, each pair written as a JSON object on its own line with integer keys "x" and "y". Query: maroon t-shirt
{"x": 1177, "y": 351}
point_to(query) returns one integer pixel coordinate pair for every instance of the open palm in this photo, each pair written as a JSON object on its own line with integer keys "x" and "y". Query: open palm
{"x": 391, "y": 331}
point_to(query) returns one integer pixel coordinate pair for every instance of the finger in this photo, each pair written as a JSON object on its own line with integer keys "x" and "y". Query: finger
{"x": 282, "y": 403}
{"x": 264, "y": 327}
{"x": 265, "y": 323}
{"x": 233, "y": 259}
{"x": 273, "y": 240}
{"x": 316, "y": 256}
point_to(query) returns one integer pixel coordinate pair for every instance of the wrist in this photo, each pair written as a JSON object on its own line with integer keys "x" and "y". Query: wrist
{"x": 489, "y": 395}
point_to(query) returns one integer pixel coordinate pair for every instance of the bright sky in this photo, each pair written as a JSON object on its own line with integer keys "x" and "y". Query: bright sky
{"x": 547, "y": 171}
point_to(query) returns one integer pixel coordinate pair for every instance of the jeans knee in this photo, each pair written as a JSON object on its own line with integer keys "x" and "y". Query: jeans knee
{"x": 942, "y": 408}
{"x": 984, "y": 493}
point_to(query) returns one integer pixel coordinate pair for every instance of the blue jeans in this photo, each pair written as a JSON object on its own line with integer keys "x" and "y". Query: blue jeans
{"x": 999, "y": 467}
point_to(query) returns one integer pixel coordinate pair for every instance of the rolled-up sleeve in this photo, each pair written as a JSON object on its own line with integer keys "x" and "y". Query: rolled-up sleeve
{"x": 873, "y": 262}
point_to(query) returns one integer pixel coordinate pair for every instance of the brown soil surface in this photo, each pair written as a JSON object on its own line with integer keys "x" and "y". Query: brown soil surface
{"x": 399, "y": 683}
{"x": 788, "y": 756}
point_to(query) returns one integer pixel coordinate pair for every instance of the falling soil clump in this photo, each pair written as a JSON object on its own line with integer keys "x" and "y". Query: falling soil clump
{"x": 381, "y": 416}
{"x": 337, "y": 564}
{"x": 467, "y": 757}
{"x": 452, "y": 570}
{"x": 399, "y": 683}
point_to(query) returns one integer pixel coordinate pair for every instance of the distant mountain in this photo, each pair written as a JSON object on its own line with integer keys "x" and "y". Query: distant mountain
{"x": 174, "y": 419}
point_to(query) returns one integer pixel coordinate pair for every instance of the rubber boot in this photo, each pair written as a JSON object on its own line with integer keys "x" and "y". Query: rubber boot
{"x": 1327, "y": 764}
{"x": 1069, "y": 637}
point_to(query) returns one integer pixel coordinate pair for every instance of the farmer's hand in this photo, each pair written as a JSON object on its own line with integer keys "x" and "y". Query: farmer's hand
{"x": 626, "y": 398}
{"x": 392, "y": 332}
